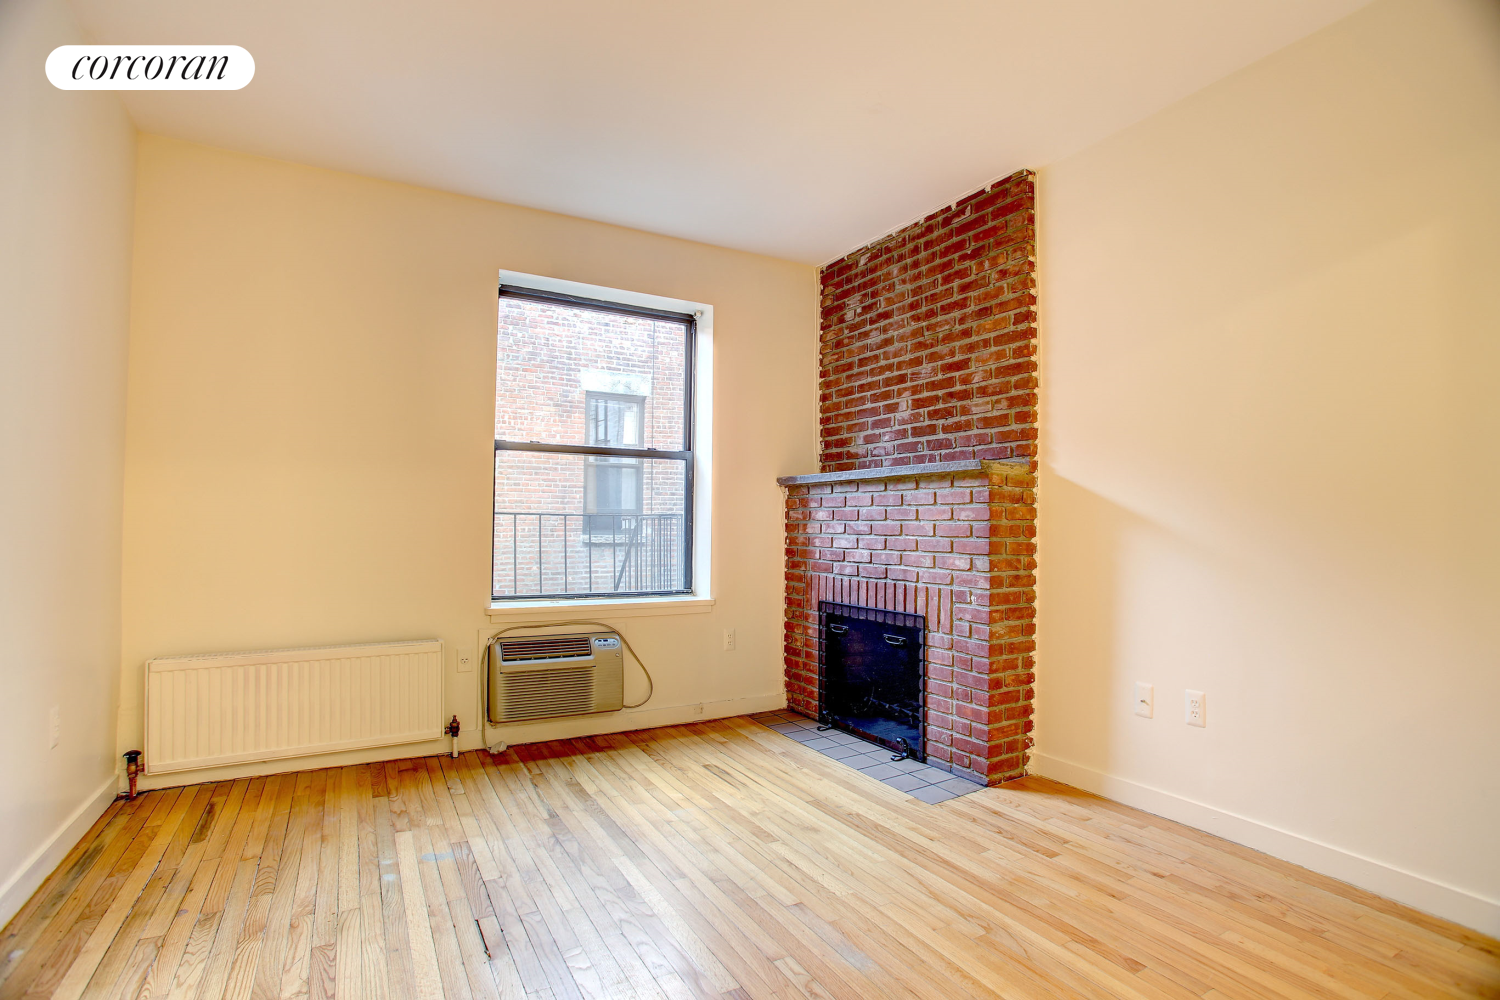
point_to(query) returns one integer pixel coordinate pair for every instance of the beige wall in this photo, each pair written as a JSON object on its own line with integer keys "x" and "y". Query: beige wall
{"x": 1271, "y": 369}
{"x": 66, "y": 162}
{"x": 311, "y": 405}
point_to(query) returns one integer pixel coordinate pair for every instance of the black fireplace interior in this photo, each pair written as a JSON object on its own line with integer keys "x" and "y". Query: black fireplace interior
{"x": 870, "y": 675}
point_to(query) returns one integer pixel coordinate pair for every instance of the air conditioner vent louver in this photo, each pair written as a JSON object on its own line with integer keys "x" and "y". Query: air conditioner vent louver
{"x": 544, "y": 648}
{"x": 538, "y": 695}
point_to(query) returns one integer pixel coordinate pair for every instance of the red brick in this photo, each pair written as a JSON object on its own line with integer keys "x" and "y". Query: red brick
{"x": 928, "y": 353}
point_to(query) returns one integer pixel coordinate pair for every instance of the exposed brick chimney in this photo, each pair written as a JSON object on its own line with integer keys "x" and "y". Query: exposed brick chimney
{"x": 926, "y": 503}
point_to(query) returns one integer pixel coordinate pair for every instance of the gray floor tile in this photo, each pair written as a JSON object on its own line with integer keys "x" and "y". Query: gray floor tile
{"x": 908, "y": 765}
{"x": 922, "y": 781}
{"x": 865, "y": 760}
{"x": 905, "y": 782}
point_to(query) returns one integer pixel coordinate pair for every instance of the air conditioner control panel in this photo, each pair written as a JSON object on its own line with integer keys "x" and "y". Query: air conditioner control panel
{"x": 606, "y": 642}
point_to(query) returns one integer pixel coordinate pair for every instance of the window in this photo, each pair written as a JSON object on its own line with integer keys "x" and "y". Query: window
{"x": 593, "y": 448}
{"x": 612, "y": 484}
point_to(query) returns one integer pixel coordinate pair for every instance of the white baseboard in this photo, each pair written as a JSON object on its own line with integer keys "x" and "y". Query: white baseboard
{"x": 35, "y": 869}
{"x": 1437, "y": 898}
{"x": 631, "y": 720}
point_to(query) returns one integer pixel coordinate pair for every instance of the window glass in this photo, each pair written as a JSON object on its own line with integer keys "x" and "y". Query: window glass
{"x": 555, "y": 360}
{"x": 544, "y": 547}
{"x": 592, "y": 459}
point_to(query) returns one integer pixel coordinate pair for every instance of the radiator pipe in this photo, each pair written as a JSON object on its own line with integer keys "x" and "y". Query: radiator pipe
{"x": 452, "y": 731}
{"x": 132, "y": 769}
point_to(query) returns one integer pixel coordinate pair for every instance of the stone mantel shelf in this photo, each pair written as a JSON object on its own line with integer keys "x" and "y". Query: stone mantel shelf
{"x": 901, "y": 472}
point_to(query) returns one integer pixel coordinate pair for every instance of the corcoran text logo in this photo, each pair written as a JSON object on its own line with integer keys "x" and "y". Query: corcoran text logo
{"x": 150, "y": 67}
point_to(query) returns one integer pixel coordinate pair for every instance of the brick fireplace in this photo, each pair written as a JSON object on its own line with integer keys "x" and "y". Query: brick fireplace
{"x": 925, "y": 502}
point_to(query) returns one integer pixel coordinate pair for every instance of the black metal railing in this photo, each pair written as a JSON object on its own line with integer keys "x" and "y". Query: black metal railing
{"x": 552, "y": 554}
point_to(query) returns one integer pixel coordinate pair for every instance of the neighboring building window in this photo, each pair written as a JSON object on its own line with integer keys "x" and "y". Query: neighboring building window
{"x": 611, "y": 483}
{"x": 593, "y": 448}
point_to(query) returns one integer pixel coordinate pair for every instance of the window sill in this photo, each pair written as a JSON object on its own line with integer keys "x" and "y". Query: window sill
{"x": 640, "y": 607}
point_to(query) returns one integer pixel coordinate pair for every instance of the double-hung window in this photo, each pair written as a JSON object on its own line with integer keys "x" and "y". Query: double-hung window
{"x": 593, "y": 448}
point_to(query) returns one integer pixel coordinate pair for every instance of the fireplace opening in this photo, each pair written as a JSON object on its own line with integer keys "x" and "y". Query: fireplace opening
{"x": 870, "y": 675}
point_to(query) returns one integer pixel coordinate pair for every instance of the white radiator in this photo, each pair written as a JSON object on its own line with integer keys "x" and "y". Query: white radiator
{"x": 229, "y": 708}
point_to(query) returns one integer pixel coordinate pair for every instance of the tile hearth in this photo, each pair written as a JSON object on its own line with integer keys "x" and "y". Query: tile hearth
{"x": 921, "y": 781}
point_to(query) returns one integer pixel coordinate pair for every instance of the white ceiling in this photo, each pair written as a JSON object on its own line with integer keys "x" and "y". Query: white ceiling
{"x": 796, "y": 128}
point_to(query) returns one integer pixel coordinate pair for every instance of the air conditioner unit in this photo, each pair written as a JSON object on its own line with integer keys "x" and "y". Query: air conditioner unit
{"x": 544, "y": 676}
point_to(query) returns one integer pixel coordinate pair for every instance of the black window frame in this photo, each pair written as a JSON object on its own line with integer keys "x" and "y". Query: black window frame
{"x": 685, "y": 454}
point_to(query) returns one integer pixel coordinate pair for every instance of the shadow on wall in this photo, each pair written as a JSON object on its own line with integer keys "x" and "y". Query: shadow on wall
{"x": 1269, "y": 446}
{"x": 1128, "y": 599}
{"x": 1336, "y": 696}
{"x": 1077, "y": 621}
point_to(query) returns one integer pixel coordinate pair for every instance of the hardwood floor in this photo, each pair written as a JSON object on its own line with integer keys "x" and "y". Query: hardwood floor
{"x": 715, "y": 860}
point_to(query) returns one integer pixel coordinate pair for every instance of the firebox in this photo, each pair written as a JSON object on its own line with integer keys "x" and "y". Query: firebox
{"x": 870, "y": 675}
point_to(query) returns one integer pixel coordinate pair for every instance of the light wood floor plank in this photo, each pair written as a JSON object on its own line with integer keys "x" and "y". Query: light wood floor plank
{"x": 718, "y": 861}
{"x": 427, "y": 983}
{"x": 224, "y": 856}
{"x": 58, "y": 888}
{"x": 52, "y": 948}
{"x": 81, "y": 972}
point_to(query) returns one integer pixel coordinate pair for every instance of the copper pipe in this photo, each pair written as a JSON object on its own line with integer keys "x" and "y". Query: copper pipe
{"x": 132, "y": 769}
{"x": 452, "y": 731}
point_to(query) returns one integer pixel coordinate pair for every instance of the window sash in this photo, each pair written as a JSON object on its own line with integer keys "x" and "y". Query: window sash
{"x": 684, "y": 455}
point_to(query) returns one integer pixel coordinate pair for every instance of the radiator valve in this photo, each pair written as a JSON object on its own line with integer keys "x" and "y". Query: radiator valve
{"x": 452, "y": 731}
{"x": 132, "y": 768}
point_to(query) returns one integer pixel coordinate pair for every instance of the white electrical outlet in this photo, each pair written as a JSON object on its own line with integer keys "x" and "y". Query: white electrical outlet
{"x": 729, "y": 640}
{"x": 1195, "y": 709}
{"x": 465, "y": 662}
{"x": 54, "y": 725}
{"x": 1144, "y": 700}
